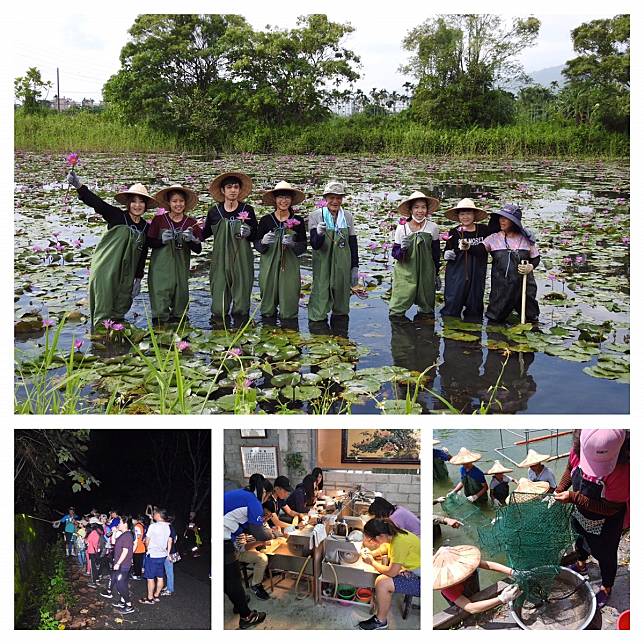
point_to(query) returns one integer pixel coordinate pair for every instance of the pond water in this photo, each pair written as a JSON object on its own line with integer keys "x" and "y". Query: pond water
{"x": 484, "y": 442}
{"x": 579, "y": 210}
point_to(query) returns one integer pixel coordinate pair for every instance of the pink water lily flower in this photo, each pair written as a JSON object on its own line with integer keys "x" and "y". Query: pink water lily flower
{"x": 444, "y": 236}
{"x": 37, "y": 249}
{"x": 160, "y": 211}
{"x": 243, "y": 216}
{"x": 235, "y": 352}
{"x": 78, "y": 243}
{"x": 626, "y": 241}
{"x": 117, "y": 326}
{"x": 58, "y": 246}
{"x": 291, "y": 223}
{"x": 552, "y": 277}
{"x": 78, "y": 344}
{"x": 402, "y": 221}
{"x": 48, "y": 322}
{"x": 182, "y": 345}
{"x": 321, "y": 203}
{"x": 372, "y": 245}
{"x": 72, "y": 158}
{"x": 108, "y": 324}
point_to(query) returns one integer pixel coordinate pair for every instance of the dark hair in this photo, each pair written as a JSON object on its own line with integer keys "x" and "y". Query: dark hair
{"x": 374, "y": 527}
{"x": 231, "y": 181}
{"x": 127, "y": 519}
{"x": 307, "y": 484}
{"x": 177, "y": 191}
{"x": 315, "y": 473}
{"x": 131, "y": 198}
{"x": 576, "y": 442}
{"x": 161, "y": 511}
{"x": 381, "y": 508}
{"x": 284, "y": 193}
{"x": 257, "y": 484}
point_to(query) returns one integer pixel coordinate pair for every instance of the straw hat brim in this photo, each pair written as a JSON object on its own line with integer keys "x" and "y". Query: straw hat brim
{"x": 479, "y": 215}
{"x": 454, "y": 564}
{"x": 122, "y": 198}
{"x": 464, "y": 456}
{"x": 268, "y": 198}
{"x": 191, "y": 197}
{"x": 499, "y": 469}
{"x": 527, "y": 487}
{"x": 245, "y": 187}
{"x": 534, "y": 458}
{"x": 435, "y": 441}
{"x": 405, "y": 207}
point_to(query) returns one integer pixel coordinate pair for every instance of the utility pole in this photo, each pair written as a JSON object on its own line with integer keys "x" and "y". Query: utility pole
{"x": 58, "y": 88}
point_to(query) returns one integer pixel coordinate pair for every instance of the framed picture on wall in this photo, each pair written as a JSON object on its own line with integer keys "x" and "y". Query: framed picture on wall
{"x": 253, "y": 433}
{"x": 381, "y": 446}
{"x": 262, "y": 460}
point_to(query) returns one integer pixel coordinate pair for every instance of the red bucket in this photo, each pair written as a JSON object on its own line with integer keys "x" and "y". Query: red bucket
{"x": 364, "y": 595}
{"x": 624, "y": 621}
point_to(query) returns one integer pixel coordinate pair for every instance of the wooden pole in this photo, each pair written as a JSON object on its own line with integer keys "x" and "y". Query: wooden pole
{"x": 542, "y": 438}
{"x": 523, "y": 292}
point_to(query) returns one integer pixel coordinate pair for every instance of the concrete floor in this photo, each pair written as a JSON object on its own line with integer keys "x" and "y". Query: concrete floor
{"x": 284, "y": 612}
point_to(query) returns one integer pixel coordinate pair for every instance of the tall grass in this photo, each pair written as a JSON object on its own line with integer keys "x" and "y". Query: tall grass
{"x": 96, "y": 132}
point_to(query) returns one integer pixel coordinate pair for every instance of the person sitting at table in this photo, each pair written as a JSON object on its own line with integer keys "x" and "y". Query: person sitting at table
{"x": 400, "y": 575}
{"x": 275, "y": 502}
{"x": 401, "y": 516}
{"x": 318, "y": 482}
{"x": 301, "y": 499}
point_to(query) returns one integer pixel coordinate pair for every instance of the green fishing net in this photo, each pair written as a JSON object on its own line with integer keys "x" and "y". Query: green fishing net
{"x": 456, "y": 506}
{"x": 534, "y": 532}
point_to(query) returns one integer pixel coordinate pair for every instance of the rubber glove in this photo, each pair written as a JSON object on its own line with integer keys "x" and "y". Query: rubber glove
{"x": 525, "y": 269}
{"x": 440, "y": 499}
{"x": 405, "y": 242}
{"x": 450, "y": 255}
{"x": 269, "y": 238}
{"x": 354, "y": 276}
{"x": 510, "y": 593}
{"x": 167, "y": 236}
{"x": 288, "y": 240}
{"x": 244, "y": 230}
{"x": 189, "y": 236}
{"x": 136, "y": 287}
{"x": 73, "y": 180}
{"x": 321, "y": 228}
{"x": 471, "y": 498}
{"x": 438, "y": 285}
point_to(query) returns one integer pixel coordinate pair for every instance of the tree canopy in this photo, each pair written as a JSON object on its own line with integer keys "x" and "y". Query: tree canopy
{"x": 29, "y": 89}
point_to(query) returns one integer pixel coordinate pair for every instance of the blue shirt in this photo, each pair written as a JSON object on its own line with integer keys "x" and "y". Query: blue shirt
{"x": 68, "y": 522}
{"x": 442, "y": 454}
{"x": 241, "y": 508}
{"x": 474, "y": 473}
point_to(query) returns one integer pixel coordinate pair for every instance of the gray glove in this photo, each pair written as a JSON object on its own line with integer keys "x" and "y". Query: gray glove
{"x": 405, "y": 242}
{"x": 510, "y": 593}
{"x": 288, "y": 240}
{"x": 188, "y": 236}
{"x": 136, "y": 287}
{"x": 524, "y": 269}
{"x": 268, "y": 238}
{"x": 244, "y": 230}
{"x": 321, "y": 228}
{"x": 167, "y": 236}
{"x": 438, "y": 285}
{"x": 73, "y": 180}
{"x": 354, "y": 276}
{"x": 450, "y": 255}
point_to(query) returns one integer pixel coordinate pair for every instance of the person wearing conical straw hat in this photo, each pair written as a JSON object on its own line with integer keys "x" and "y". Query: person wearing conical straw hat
{"x": 281, "y": 239}
{"x": 466, "y": 261}
{"x": 499, "y": 483}
{"x": 172, "y": 235}
{"x": 455, "y": 576}
{"x": 538, "y": 471}
{"x": 118, "y": 261}
{"x": 472, "y": 481}
{"x": 416, "y": 250}
{"x": 514, "y": 254}
{"x": 440, "y": 457}
{"x": 334, "y": 254}
{"x": 233, "y": 225}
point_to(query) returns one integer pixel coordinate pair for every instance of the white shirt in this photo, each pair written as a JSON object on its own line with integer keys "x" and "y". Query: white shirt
{"x": 158, "y": 535}
{"x": 428, "y": 227}
{"x": 546, "y": 475}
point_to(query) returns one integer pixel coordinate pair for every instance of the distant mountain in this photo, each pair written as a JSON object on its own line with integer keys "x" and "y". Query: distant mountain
{"x": 540, "y": 77}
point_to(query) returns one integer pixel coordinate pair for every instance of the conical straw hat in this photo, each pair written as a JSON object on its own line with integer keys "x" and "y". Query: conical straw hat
{"x": 465, "y": 204}
{"x": 533, "y": 458}
{"x": 435, "y": 441}
{"x": 527, "y": 487}
{"x": 454, "y": 564}
{"x": 139, "y": 190}
{"x": 497, "y": 468}
{"x": 191, "y": 196}
{"x": 464, "y": 456}
{"x": 405, "y": 206}
{"x": 268, "y": 198}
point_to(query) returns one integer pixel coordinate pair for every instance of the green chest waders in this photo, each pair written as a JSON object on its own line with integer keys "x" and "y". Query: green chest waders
{"x": 168, "y": 281}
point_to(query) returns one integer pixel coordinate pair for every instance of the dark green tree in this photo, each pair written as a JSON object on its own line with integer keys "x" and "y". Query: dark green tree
{"x": 598, "y": 88}
{"x": 29, "y": 89}
{"x": 458, "y": 60}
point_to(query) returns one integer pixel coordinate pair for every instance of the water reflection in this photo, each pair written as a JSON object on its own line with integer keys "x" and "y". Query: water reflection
{"x": 460, "y": 374}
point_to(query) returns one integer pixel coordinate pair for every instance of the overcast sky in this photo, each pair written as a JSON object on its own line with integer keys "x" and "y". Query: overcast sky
{"x": 86, "y": 45}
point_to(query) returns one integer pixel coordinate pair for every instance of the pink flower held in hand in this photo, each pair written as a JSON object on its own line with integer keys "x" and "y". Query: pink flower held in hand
{"x": 118, "y": 326}
{"x": 243, "y": 216}
{"x": 444, "y": 236}
{"x": 321, "y": 203}
{"x": 182, "y": 345}
{"x": 72, "y": 158}
{"x": 402, "y": 221}
{"x": 48, "y": 322}
{"x": 78, "y": 344}
{"x": 291, "y": 223}
{"x": 161, "y": 211}
{"x": 108, "y": 324}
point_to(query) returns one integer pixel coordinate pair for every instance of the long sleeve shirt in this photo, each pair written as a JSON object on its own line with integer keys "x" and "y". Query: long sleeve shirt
{"x": 218, "y": 212}
{"x": 268, "y": 223}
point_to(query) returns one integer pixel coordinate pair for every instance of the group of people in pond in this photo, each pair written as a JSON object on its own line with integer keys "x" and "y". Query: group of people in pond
{"x": 115, "y": 547}
{"x": 280, "y": 237}
{"x": 264, "y": 510}
{"x": 596, "y": 480}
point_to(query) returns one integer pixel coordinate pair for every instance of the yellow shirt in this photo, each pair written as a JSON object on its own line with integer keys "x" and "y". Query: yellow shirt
{"x": 405, "y": 550}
